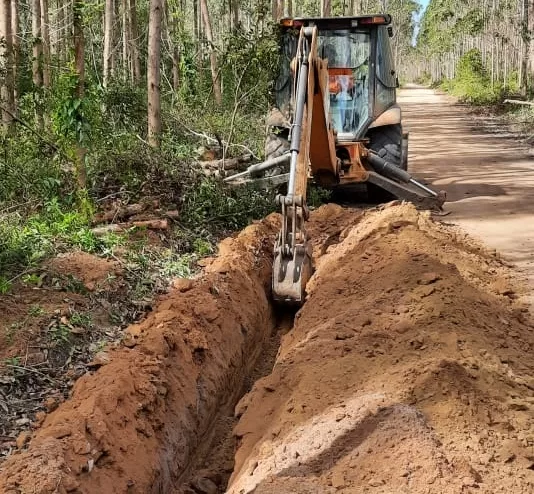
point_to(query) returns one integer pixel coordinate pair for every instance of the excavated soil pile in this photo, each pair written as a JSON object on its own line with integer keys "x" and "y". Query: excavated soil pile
{"x": 409, "y": 370}
{"x": 133, "y": 424}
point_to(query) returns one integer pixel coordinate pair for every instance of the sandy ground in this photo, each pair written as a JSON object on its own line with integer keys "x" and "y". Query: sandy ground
{"x": 487, "y": 174}
{"x": 408, "y": 370}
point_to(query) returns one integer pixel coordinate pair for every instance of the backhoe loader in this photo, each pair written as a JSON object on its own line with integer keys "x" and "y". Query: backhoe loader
{"x": 337, "y": 124}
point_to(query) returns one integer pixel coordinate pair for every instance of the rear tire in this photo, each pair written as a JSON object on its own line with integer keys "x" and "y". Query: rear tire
{"x": 387, "y": 142}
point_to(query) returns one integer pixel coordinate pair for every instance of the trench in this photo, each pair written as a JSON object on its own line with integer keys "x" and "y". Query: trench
{"x": 214, "y": 460}
{"x": 408, "y": 369}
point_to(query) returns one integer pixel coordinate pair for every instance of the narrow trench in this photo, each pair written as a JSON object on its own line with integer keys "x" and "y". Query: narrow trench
{"x": 214, "y": 462}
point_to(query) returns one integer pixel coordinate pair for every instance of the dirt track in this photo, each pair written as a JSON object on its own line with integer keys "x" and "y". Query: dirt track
{"x": 487, "y": 173}
{"x": 408, "y": 370}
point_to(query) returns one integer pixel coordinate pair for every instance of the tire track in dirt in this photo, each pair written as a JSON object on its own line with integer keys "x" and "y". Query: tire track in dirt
{"x": 487, "y": 173}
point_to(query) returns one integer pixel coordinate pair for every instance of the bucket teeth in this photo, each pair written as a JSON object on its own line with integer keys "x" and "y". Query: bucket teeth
{"x": 291, "y": 274}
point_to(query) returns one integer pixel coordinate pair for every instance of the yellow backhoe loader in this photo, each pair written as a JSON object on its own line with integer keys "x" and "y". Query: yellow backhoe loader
{"x": 337, "y": 124}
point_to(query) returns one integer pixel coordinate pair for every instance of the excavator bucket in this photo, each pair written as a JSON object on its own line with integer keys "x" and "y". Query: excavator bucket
{"x": 291, "y": 274}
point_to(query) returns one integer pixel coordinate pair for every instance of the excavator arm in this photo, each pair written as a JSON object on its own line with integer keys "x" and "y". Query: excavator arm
{"x": 292, "y": 265}
{"x": 314, "y": 152}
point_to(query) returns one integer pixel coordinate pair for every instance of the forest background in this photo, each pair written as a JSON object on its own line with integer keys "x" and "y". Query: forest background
{"x": 105, "y": 104}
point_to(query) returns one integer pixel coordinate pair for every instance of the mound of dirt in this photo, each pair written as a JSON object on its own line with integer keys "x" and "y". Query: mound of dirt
{"x": 409, "y": 370}
{"x": 91, "y": 270}
{"x": 133, "y": 424}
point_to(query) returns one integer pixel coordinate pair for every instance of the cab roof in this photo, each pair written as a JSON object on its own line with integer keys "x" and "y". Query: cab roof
{"x": 325, "y": 23}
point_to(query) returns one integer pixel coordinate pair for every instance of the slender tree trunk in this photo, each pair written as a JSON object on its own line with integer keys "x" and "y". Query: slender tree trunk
{"x": 213, "y": 55}
{"x": 79, "y": 65}
{"x": 115, "y": 35}
{"x": 196, "y": 27}
{"x": 45, "y": 34}
{"x": 61, "y": 32}
{"x": 288, "y": 10}
{"x": 175, "y": 50}
{"x": 154, "y": 74}
{"x": 37, "y": 44}
{"x": 7, "y": 89}
{"x": 109, "y": 15}
{"x": 15, "y": 39}
{"x": 530, "y": 24}
{"x": 125, "y": 40}
{"x": 235, "y": 13}
{"x": 525, "y": 38}
{"x": 325, "y": 8}
{"x": 136, "y": 61}
{"x": 37, "y": 65}
{"x": 278, "y": 9}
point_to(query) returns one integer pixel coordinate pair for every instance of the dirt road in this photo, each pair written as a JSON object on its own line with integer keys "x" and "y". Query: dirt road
{"x": 487, "y": 174}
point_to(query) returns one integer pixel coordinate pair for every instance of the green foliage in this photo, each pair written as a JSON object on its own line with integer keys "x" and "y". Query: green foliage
{"x": 31, "y": 171}
{"x": 81, "y": 320}
{"x": 472, "y": 83}
{"x": 12, "y": 361}
{"x": 25, "y": 242}
{"x": 60, "y": 334}
{"x": 125, "y": 106}
{"x": 210, "y": 205}
{"x": 36, "y": 310}
{"x": 73, "y": 118}
{"x": 318, "y": 195}
{"x": 5, "y": 285}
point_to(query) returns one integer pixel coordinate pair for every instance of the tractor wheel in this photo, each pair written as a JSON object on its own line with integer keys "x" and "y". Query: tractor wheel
{"x": 275, "y": 145}
{"x": 387, "y": 142}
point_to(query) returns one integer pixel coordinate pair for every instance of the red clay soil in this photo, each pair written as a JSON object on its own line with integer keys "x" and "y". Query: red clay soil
{"x": 18, "y": 330}
{"x": 132, "y": 425}
{"x": 94, "y": 272}
{"x": 409, "y": 370}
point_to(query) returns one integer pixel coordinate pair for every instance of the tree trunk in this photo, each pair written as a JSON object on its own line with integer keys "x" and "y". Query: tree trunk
{"x": 15, "y": 41}
{"x": 37, "y": 44}
{"x": 37, "y": 63}
{"x": 7, "y": 90}
{"x": 278, "y": 10}
{"x": 136, "y": 61}
{"x": 288, "y": 10}
{"x": 45, "y": 34}
{"x": 325, "y": 8}
{"x": 109, "y": 15}
{"x": 235, "y": 13}
{"x": 175, "y": 50}
{"x": 213, "y": 55}
{"x": 525, "y": 38}
{"x": 196, "y": 28}
{"x": 59, "y": 33}
{"x": 79, "y": 90}
{"x": 125, "y": 40}
{"x": 154, "y": 75}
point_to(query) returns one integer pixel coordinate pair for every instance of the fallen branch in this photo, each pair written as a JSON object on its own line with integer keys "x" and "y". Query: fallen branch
{"x": 519, "y": 102}
{"x": 122, "y": 227}
{"x": 120, "y": 213}
{"x": 227, "y": 164}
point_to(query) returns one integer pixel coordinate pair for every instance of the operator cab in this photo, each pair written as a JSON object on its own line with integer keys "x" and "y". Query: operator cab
{"x": 362, "y": 78}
